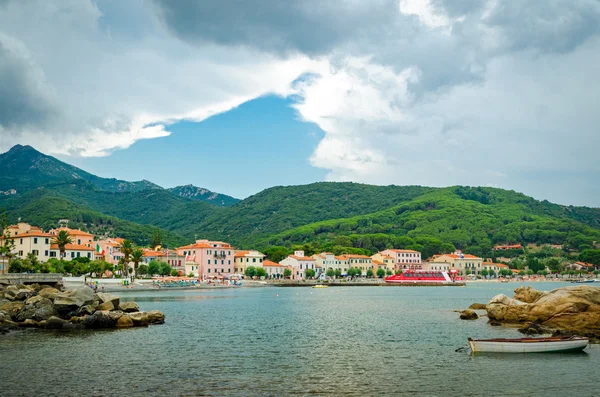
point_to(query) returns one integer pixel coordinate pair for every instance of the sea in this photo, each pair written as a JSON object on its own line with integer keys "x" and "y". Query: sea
{"x": 275, "y": 341}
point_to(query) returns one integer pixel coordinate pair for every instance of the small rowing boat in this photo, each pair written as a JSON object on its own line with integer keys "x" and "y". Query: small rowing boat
{"x": 320, "y": 286}
{"x": 529, "y": 345}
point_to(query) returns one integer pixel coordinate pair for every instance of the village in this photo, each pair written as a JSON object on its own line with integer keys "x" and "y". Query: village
{"x": 217, "y": 260}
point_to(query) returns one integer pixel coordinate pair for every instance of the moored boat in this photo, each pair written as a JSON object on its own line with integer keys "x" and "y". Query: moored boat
{"x": 529, "y": 345}
{"x": 320, "y": 286}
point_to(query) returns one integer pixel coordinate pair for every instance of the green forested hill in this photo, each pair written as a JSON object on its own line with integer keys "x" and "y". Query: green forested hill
{"x": 472, "y": 219}
{"x": 44, "y": 208}
{"x": 327, "y": 214}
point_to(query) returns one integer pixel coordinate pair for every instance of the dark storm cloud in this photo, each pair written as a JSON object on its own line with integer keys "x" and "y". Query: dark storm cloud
{"x": 24, "y": 97}
{"x": 310, "y": 26}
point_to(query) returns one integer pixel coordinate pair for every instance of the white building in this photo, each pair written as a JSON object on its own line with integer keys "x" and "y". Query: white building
{"x": 405, "y": 259}
{"x": 274, "y": 270}
{"x": 299, "y": 264}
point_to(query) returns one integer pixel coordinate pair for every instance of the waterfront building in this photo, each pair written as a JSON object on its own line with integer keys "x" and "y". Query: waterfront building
{"x": 325, "y": 261}
{"x": 171, "y": 257}
{"x": 274, "y": 270}
{"x": 581, "y": 266}
{"x": 342, "y": 264}
{"x": 109, "y": 250}
{"x": 460, "y": 261}
{"x": 72, "y": 251}
{"x": 404, "y": 259}
{"x": 299, "y": 264}
{"x": 79, "y": 237}
{"x": 362, "y": 262}
{"x": 493, "y": 268}
{"x": 30, "y": 239}
{"x": 383, "y": 261}
{"x": 210, "y": 259}
{"x": 436, "y": 266}
{"x": 243, "y": 259}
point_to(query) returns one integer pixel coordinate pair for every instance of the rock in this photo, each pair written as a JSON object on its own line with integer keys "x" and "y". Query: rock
{"x": 477, "y": 306}
{"x": 129, "y": 307}
{"x": 4, "y": 302}
{"x": 533, "y": 329}
{"x": 104, "y": 297}
{"x": 71, "y": 300}
{"x": 12, "y": 308}
{"x": 55, "y": 323}
{"x": 85, "y": 310}
{"x": 125, "y": 322}
{"x": 3, "y": 316}
{"x": 139, "y": 319}
{"x": 11, "y": 292}
{"x": 24, "y": 293}
{"x": 100, "y": 319}
{"x": 36, "y": 299}
{"x": 29, "y": 323}
{"x": 468, "y": 315}
{"x": 528, "y": 294}
{"x": 26, "y": 313}
{"x": 44, "y": 313}
{"x": 156, "y": 317}
{"x": 106, "y": 306}
{"x": 575, "y": 309}
{"x": 49, "y": 293}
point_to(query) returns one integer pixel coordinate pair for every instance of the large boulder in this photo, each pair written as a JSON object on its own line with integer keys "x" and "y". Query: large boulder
{"x": 27, "y": 313}
{"x": 129, "y": 307}
{"x": 73, "y": 299}
{"x": 24, "y": 293}
{"x": 49, "y": 293}
{"x": 12, "y": 308}
{"x": 55, "y": 323}
{"x": 105, "y": 297}
{"x": 575, "y": 308}
{"x": 478, "y": 306}
{"x": 139, "y": 319}
{"x": 11, "y": 292}
{"x": 108, "y": 305}
{"x": 125, "y": 322}
{"x": 100, "y": 319}
{"x": 528, "y": 294}
{"x": 86, "y": 310}
{"x": 156, "y": 317}
{"x": 468, "y": 315}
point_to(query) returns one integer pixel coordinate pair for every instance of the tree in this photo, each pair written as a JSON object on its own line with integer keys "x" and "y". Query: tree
{"x": 522, "y": 272}
{"x": 174, "y": 273}
{"x": 153, "y": 267}
{"x": 485, "y": 273}
{"x": 596, "y": 272}
{"x": 137, "y": 256}
{"x": 250, "y": 271}
{"x": 62, "y": 239}
{"x": 388, "y": 272}
{"x": 157, "y": 239}
{"x": 127, "y": 250}
{"x": 338, "y": 273}
{"x": 310, "y": 273}
{"x": 370, "y": 273}
{"x": 287, "y": 273}
{"x": 330, "y": 272}
{"x": 534, "y": 264}
{"x": 380, "y": 272}
{"x": 165, "y": 269}
{"x": 191, "y": 275}
{"x": 142, "y": 269}
{"x": 261, "y": 272}
{"x": 276, "y": 253}
{"x": 529, "y": 272}
{"x": 590, "y": 256}
{"x": 7, "y": 244}
{"x": 95, "y": 267}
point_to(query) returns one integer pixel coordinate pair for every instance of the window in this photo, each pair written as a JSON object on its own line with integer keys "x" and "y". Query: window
{"x": 46, "y": 241}
{"x": 21, "y": 241}
{"x": 52, "y": 254}
{"x": 89, "y": 255}
{"x": 78, "y": 254}
{"x": 20, "y": 253}
{"x": 209, "y": 261}
{"x": 209, "y": 270}
{"x": 35, "y": 252}
{"x": 253, "y": 260}
{"x": 46, "y": 253}
{"x": 72, "y": 255}
{"x": 228, "y": 252}
{"x": 229, "y": 261}
{"x": 301, "y": 266}
{"x": 79, "y": 242}
{"x": 35, "y": 240}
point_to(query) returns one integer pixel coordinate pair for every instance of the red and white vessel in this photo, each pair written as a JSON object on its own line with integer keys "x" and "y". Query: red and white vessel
{"x": 424, "y": 277}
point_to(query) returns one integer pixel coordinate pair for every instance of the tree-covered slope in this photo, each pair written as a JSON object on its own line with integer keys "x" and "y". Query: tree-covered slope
{"x": 198, "y": 193}
{"x": 45, "y": 208}
{"x": 472, "y": 219}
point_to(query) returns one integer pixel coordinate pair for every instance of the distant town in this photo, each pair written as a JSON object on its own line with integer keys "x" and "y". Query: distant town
{"x": 205, "y": 259}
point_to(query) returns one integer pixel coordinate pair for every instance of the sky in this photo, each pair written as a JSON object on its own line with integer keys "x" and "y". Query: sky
{"x": 239, "y": 96}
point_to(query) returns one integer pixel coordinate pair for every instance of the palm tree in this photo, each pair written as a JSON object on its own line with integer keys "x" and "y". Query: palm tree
{"x": 62, "y": 239}
{"x": 137, "y": 256}
{"x": 126, "y": 250}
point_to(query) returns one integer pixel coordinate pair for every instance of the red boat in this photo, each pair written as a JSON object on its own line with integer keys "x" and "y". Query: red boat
{"x": 422, "y": 277}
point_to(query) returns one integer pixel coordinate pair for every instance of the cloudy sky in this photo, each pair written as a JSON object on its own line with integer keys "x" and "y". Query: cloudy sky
{"x": 237, "y": 96}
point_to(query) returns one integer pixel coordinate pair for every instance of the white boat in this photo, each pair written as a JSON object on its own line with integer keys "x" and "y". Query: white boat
{"x": 529, "y": 345}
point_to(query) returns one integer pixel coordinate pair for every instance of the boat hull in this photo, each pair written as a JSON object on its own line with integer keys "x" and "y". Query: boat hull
{"x": 531, "y": 345}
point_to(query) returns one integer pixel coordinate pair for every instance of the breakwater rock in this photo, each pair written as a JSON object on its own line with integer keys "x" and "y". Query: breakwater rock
{"x": 38, "y": 306}
{"x": 564, "y": 311}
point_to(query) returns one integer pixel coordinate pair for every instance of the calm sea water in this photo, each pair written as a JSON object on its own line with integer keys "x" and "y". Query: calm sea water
{"x": 365, "y": 341}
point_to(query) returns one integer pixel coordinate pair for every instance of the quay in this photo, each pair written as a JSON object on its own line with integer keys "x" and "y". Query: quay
{"x": 30, "y": 278}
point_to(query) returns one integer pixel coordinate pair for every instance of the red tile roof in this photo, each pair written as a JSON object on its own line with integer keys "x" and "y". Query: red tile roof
{"x": 268, "y": 263}
{"x": 73, "y": 247}
{"x": 302, "y": 258}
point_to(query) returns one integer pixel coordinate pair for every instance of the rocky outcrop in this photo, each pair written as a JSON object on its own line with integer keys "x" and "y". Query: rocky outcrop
{"x": 573, "y": 309}
{"x": 468, "y": 315}
{"x": 50, "y": 308}
{"x": 477, "y": 306}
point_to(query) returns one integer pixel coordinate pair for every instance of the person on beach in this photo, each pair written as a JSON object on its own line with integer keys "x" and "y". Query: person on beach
{"x": 102, "y": 287}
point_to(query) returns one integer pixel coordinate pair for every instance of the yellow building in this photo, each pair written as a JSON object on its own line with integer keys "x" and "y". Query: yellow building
{"x": 460, "y": 261}
{"x": 30, "y": 239}
{"x": 244, "y": 259}
{"x": 382, "y": 260}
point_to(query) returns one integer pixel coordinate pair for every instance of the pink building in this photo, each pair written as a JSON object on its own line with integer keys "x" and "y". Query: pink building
{"x": 210, "y": 258}
{"x": 405, "y": 259}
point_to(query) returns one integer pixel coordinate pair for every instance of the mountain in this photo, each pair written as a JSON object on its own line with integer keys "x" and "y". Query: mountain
{"x": 198, "y": 193}
{"x": 24, "y": 169}
{"x": 335, "y": 216}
